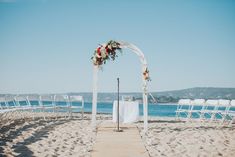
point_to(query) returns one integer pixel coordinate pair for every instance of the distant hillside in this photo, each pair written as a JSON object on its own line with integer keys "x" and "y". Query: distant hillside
{"x": 171, "y": 96}
{"x": 167, "y": 96}
{"x": 200, "y": 92}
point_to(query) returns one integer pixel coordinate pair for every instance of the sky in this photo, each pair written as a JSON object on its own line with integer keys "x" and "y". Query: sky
{"x": 46, "y": 45}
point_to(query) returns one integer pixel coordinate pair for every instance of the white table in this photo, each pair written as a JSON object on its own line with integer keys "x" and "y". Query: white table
{"x": 128, "y": 111}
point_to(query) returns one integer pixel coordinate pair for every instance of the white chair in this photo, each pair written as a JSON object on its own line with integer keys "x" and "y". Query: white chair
{"x": 3, "y": 106}
{"x": 22, "y": 105}
{"x": 47, "y": 103}
{"x": 76, "y": 102}
{"x": 35, "y": 103}
{"x": 62, "y": 103}
{"x": 210, "y": 109}
{"x": 194, "y": 105}
{"x": 10, "y": 102}
{"x": 231, "y": 111}
{"x": 222, "y": 108}
{"x": 183, "y": 107}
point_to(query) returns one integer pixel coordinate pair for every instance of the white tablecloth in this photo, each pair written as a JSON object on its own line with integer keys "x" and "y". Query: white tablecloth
{"x": 128, "y": 111}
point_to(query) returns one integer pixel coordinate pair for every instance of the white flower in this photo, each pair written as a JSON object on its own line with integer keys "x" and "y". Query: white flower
{"x": 98, "y": 56}
{"x": 103, "y": 52}
{"x": 94, "y": 60}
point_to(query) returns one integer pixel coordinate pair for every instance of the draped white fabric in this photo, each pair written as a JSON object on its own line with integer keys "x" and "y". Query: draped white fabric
{"x": 128, "y": 111}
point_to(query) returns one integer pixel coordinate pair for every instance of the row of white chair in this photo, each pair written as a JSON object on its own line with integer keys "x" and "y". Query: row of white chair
{"x": 214, "y": 109}
{"x": 43, "y": 103}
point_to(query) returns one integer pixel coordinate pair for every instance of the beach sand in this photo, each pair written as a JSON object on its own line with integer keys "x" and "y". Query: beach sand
{"x": 53, "y": 137}
{"x": 74, "y": 137}
{"x": 171, "y": 138}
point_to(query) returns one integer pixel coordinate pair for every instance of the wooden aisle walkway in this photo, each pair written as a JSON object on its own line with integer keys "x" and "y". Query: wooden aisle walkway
{"x": 118, "y": 144}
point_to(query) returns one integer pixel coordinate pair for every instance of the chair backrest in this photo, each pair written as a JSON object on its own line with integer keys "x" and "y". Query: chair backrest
{"x": 2, "y": 99}
{"x": 198, "y": 102}
{"x": 3, "y": 104}
{"x": 47, "y": 100}
{"x": 232, "y": 106}
{"x": 61, "y": 100}
{"x": 224, "y": 103}
{"x": 212, "y": 104}
{"x": 232, "y": 103}
{"x": 47, "y": 97}
{"x": 21, "y": 100}
{"x": 184, "y": 104}
{"x": 34, "y": 100}
{"x": 10, "y": 101}
{"x": 75, "y": 99}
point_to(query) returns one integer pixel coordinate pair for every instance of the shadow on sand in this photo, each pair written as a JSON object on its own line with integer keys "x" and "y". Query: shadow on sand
{"x": 9, "y": 132}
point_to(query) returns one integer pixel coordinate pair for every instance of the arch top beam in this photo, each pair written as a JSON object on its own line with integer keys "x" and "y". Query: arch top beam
{"x": 134, "y": 49}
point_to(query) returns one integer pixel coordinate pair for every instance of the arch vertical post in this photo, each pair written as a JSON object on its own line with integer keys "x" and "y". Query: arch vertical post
{"x": 94, "y": 96}
{"x": 145, "y": 106}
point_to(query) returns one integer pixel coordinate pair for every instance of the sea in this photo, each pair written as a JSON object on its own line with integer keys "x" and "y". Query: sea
{"x": 164, "y": 110}
{"x": 158, "y": 110}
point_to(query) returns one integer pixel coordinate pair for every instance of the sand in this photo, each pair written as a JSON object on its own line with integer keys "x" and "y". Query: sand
{"x": 74, "y": 137}
{"x": 53, "y": 137}
{"x": 170, "y": 138}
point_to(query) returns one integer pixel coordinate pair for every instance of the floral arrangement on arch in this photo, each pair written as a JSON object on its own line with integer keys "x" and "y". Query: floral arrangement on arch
{"x": 105, "y": 52}
{"x": 109, "y": 51}
{"x": 146, "y": 75}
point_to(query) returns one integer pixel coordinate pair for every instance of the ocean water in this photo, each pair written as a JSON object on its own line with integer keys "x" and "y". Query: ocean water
{"x": 153, "y": 109}
{"x": 160, "y": 110}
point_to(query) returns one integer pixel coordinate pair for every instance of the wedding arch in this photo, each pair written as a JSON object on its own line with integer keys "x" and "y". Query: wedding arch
{"x": 108, "y": 51}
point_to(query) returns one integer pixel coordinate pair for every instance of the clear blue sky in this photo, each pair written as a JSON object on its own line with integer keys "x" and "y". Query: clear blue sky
{"x": 46, "y": 45}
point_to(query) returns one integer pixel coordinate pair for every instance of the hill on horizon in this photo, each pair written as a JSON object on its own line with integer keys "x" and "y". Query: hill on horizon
{"x": 170, "y": 96}
{"x": 201, "y": 92}
{"x": 165, "y": 96}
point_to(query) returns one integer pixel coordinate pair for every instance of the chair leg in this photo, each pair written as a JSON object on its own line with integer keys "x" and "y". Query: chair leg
{"x": 82, "y": 113}
{"x": 232, "y": 121}
{"x": 71, "y": 114}
{"x": 177, "y": 116}
{"x": 33, "y": 114}
{"x": 55, "y": 112}
{"x": 44, "y": 114}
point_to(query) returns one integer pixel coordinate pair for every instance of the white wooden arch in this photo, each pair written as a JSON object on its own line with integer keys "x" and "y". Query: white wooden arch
{"x": 143, "y": 61}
